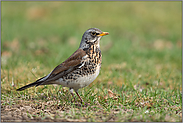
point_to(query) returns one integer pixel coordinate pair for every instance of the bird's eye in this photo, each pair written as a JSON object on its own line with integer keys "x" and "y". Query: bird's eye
{"x": 93, "y": 33}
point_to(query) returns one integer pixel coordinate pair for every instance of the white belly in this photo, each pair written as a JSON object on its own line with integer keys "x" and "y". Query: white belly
{"x": 80, "y": 82}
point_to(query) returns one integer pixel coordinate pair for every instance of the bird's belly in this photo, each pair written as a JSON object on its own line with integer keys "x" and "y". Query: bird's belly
{"x": 86, "y": 80}
{"x": 78, "y": 80}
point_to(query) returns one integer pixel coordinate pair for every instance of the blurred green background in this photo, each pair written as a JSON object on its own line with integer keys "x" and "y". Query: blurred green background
{"x": 143, "y": 47}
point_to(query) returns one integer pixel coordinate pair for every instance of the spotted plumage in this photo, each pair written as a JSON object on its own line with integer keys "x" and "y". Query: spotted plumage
{"x": 81, "y": 68}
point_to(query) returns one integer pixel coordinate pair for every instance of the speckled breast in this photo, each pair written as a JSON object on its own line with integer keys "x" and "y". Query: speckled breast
{"x": 86, "y": 74}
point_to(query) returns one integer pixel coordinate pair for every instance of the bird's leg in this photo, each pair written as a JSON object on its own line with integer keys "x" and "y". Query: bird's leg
{"x": 71, "y": 91}
{"x": 79, "y": 97}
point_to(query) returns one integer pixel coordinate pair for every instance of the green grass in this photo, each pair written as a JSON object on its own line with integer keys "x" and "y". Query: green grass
{"x": 141, "y": 61}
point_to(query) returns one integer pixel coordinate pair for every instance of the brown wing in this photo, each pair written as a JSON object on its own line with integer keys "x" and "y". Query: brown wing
{"x": 72, "y": 63}
{"x": 67, "y": 66}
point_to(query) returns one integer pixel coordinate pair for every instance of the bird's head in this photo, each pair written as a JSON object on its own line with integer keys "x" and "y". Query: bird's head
{"x": 92, "y": 37}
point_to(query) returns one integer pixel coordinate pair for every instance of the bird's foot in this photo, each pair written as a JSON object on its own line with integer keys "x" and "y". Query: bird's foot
{"x": 81, "y": 104}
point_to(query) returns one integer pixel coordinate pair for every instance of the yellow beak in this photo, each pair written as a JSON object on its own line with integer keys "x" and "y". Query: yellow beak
{"x": 104, "y": 33}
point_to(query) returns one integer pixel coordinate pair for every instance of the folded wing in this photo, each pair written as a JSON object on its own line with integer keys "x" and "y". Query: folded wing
{"x": 72, "y": 63}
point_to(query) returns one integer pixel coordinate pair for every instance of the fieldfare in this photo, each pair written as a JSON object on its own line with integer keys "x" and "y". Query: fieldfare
{"x": 80, "y": 69}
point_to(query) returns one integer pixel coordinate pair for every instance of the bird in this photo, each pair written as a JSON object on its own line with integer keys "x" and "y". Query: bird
{"x": 80, "y": 69}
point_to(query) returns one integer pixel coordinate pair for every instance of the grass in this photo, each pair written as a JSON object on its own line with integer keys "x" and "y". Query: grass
{"x": 140, "y": 78}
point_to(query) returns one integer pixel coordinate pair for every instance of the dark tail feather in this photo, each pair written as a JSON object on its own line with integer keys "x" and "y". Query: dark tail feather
{"x": 36, "y": 83}
{"x": 29, "y": 85}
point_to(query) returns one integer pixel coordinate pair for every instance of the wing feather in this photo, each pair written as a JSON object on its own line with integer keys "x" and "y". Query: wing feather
{"x": 72, "y": 63}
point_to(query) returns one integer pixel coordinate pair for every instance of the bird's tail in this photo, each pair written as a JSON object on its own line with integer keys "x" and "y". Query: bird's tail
{"x": 36, "y": 83}
{"x": 29, "y": 85}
